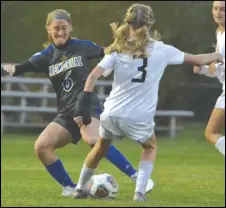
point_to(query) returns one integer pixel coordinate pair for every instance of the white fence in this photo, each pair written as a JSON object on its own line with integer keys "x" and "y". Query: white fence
{"x": 16, "y": 92}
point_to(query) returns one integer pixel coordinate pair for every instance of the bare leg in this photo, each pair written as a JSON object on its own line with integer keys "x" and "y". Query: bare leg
{"x": 214, "y": 127}
{"x": 53, "y": 136}
{"x": 91, "y": 162}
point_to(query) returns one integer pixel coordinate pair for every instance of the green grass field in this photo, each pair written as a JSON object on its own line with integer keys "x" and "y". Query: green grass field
{"x": 188, "y": 172}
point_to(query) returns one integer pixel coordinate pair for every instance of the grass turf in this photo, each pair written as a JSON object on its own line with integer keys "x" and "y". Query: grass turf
{"x": 188, "y": 172}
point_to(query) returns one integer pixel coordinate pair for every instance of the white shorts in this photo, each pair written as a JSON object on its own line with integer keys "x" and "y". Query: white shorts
{"x": 220, "y": 101}
{"x": 117, "y": 128}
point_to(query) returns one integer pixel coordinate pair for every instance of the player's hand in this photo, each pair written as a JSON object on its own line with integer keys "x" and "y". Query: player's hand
{"x": 196, "y": 69}
{"x": 79, "y": 121}
{"x": 9, "y": 68}
{"x": 82, "y": 107}
{"x": 82, "y": 116}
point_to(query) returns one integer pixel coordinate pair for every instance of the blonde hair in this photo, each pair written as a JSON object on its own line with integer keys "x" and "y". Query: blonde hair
{"x": 219, "y": 29}
{"x": 56, "y": 14}
{"x": 141, "y": 18}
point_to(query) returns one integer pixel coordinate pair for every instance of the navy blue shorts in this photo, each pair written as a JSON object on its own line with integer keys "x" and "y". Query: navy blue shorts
{"x": 69, "y": 124}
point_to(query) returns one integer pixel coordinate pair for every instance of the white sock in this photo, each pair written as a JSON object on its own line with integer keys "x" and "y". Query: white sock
{"x": 220, "y": 145}
{"x": 85, "y": 175}
{"x": 144, "y": 173}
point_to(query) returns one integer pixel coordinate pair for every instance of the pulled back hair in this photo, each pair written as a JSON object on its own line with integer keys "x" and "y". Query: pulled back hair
{"x": 141, "y": 18}
{"x": 56, "y": 15}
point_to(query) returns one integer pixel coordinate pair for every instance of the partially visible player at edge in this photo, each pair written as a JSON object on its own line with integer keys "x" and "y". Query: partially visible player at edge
{"x": 138, "y": 61}
{"x": 216, "y": 123}
{"x": 66, "y": 61}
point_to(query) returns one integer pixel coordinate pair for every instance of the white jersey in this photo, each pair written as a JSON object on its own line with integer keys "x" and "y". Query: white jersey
{"x": 135, "y": 86}
{"x": 220, "y": 69}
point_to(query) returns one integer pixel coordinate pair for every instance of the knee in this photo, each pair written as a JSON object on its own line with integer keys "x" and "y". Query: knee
{"x": 90, "y": 140}
{"x": 90, "y": 134}
{"x": 208, "y": 134}
{"x": 41, "y": 148}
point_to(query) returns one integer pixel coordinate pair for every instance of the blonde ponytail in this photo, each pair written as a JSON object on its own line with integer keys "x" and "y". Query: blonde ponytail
{"x": 140, "y": 18}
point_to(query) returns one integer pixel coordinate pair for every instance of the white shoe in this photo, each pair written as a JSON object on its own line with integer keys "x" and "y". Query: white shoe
{"x": 67, "y": 191}
{"x": 139, "y": 197}
{"x": 80, "y": 193}
{"x": 150, "y": 186}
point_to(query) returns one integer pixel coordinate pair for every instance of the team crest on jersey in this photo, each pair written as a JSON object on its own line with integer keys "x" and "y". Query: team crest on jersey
{"x": 63, "y": 58}
{"x": 75, "y": 61}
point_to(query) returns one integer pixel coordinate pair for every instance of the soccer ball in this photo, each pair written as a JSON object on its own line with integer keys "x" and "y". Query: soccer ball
{"x": 103, "y": 186}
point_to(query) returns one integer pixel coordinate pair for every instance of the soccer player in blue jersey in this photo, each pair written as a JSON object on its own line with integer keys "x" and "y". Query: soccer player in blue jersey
{"x": 66, "y": 61}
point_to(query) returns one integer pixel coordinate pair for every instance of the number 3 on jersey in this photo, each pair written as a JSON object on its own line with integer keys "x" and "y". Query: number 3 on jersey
{"x": 68, "y": 82}
{"x": 143, "y": 70}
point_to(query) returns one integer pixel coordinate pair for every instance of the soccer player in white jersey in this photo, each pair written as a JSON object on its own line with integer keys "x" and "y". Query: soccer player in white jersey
{"x": 139, "y": 62}
{"x": 213, "y": 132}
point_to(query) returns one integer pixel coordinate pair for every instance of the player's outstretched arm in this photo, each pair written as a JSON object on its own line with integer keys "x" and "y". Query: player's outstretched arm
{"x": 14, "y": 70}
{"x": 175, "y": 56}
{"x": 36, "y": 63}
{"x": 203, "y": 59}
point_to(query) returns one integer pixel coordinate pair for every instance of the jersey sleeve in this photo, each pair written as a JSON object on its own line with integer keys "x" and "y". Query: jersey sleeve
{"x": 40, "y": 60}
{"x": 108, "y": 63}
{"x": 173, "y": 55}
{"x": 93, "y": 50}
{"x": 24, "y": 67}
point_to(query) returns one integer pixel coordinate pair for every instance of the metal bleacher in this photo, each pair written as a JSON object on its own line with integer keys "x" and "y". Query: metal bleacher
{"x": 15, "y": 94}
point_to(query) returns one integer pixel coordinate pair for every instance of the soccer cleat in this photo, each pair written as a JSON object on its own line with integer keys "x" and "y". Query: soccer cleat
{"x": 79, "y": 194}
{"x": 150, "y": 184}
{"x": 139, "y": 197}
{"x": 67, "y": 191}
{"x": 134, "y": 177}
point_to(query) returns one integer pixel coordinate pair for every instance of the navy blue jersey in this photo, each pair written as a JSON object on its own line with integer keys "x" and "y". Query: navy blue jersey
{"x": 68, "y": 68}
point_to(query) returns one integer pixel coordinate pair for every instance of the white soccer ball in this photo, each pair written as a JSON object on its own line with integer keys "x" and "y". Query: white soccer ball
{"x": 103, "y": 186}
